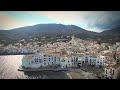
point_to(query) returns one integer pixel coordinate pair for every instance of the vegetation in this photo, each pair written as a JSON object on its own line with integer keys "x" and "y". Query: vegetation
{"x": 52, "y": 32}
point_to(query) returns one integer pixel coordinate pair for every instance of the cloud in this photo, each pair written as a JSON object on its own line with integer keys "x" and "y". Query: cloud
{"x": 90, "y": 20}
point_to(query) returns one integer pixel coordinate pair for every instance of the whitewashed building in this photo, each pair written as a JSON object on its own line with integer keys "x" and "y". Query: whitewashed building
{"x": 112, "y": 71}
{"x": 96, "y": 60}
{"x": 66, "y": 62}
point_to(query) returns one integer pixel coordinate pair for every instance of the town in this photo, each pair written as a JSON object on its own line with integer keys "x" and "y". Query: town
{"x": 76, "y": 53}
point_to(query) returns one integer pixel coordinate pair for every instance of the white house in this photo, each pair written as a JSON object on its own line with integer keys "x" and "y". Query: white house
{"x": 112, "y": 71}
{"x": 66, "y": 61}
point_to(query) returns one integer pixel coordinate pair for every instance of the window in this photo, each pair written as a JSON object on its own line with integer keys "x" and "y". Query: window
{"x": 44, "y": 63}
{"x": 40, "y": 61}
{"x": 113, "y": 71}
{"x": 71, "y": 60}
{"x": 66, "y": 65}
{"x": 36, "y": 61}
{"x": 110, "y": 70}
{"x": 32, "y": 61}
{"x": 76, "y": 58}
{"x": 68, "y": 61}
{"x": 106, "y": 71}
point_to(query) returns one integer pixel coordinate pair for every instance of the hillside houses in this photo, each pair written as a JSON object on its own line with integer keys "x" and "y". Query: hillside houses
{"x": 71, "y": 54}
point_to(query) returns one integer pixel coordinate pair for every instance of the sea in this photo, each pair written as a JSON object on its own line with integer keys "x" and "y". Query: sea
{"x": 9, "y": 65}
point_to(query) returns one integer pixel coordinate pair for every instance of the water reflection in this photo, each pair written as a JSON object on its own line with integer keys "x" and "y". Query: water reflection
{"x": 9, "y": 65}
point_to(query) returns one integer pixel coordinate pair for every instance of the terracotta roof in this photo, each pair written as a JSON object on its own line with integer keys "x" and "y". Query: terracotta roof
{"x": 27, "y": 57}
{"x": 116, "y": 66}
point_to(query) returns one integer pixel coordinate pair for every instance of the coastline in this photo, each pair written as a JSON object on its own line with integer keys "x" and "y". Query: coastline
{"x": 72, "y": 73}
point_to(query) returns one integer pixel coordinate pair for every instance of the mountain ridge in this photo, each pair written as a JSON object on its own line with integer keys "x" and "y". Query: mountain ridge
{"x": 40, "y": 30}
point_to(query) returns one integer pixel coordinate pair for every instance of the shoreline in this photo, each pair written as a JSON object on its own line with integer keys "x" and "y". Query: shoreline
{"x": 72, "y": 73}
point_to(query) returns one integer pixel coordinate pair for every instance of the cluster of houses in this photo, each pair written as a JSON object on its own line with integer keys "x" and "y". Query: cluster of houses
{"x": 62, "y": 60}
{"x": 64, "y": 55}
{"x": 17, "y": 50}
{"x": 20, "y": 48}
{"x": 72, "y": 54}
{"x": 76, "y": 53}
{"x": 112, "y": 67}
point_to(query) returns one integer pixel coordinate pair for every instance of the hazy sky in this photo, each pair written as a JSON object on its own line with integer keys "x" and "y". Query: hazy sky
{"x": 90, "y": 20}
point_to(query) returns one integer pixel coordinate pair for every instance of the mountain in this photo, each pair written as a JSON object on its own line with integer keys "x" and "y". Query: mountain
{"x": 43, "y": 29}
{"x": 57, "y": 30}
{"x": 111, "y": 36}
{"x": 115, "y": 30}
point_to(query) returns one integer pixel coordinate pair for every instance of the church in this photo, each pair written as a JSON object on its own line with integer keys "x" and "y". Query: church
{"x": 73, "y": 41}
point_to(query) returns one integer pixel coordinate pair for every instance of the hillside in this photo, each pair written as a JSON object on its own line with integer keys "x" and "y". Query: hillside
{"x": 40, "y": 30}
{"x": 111, "y": 36}
{"x": 56, "y": 31}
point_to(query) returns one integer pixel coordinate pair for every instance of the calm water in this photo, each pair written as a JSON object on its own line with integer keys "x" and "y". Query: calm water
{"x": 10, "y": 63}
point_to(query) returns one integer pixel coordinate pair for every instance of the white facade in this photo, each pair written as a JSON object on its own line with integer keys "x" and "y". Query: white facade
{"x": 36, "y": 61}
{"x": 108, "y": 72}
{"x": 112, "y": 71}
{"x": 66, "y": 62}
{"x": 97, "y": 60}
{"x": 81, "y": 60}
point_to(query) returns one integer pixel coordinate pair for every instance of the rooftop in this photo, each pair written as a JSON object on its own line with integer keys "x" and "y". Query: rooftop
{"x": 116, "y": 66}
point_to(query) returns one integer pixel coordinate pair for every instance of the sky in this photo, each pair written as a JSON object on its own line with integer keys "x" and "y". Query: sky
{"x": 96, "y": 21}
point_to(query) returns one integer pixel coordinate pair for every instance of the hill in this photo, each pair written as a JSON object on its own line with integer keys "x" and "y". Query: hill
{"x": 56, "y": 31}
